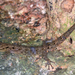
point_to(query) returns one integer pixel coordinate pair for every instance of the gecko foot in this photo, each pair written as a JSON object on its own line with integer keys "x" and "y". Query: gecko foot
{"x": 49, "y": 64}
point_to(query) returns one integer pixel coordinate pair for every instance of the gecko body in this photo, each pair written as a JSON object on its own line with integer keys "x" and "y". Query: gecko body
{"x": 42, "y": 50}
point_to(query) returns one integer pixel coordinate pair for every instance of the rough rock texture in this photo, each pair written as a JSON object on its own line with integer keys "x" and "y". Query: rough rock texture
{"x": 15, "y": 19}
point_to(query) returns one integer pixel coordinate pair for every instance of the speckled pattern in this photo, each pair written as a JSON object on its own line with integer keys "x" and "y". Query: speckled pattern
{"x": 57, "y": 56}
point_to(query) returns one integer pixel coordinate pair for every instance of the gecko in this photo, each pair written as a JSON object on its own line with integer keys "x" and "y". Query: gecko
{"x": 42, "y": 50}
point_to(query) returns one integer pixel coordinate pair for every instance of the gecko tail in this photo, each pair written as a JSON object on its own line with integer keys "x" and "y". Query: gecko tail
{"x": 66, "y": 34}
{"x": 63, "y": 37}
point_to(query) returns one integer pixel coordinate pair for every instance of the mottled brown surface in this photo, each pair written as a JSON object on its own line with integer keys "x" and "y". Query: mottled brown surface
{"x": 43, "y": 50}
{"x": 67, "y": 5}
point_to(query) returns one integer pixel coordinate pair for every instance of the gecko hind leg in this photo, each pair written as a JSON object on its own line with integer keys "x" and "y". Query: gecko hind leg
{"x": 44, "y": 56}
{"x": 49, "y": 64}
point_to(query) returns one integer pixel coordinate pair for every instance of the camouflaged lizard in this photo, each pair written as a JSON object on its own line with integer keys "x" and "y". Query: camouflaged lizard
{"x": 42, "y": 50}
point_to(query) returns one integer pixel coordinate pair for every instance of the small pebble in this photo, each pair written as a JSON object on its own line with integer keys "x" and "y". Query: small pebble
{"x": 33, "y": 50}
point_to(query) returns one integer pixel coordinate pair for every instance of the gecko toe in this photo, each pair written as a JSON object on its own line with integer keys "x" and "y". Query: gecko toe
{"x": 49, "y": 65}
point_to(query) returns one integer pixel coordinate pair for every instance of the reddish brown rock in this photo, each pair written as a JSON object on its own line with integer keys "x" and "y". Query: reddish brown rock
{"x": 67, "y": 5}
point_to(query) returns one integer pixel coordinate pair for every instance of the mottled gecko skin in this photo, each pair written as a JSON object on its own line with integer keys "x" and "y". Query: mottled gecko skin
{"x": 41, "y": 50}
